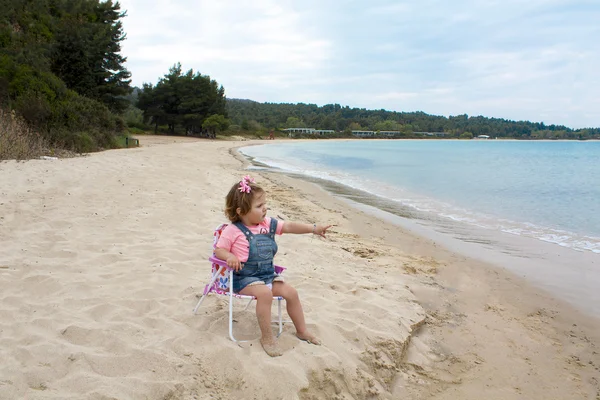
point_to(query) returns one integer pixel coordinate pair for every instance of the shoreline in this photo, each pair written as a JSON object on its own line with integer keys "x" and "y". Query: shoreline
{"x": 104, "y": 257}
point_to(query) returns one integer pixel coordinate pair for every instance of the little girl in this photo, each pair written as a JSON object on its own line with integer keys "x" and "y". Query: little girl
{"x": 248, "y": 245}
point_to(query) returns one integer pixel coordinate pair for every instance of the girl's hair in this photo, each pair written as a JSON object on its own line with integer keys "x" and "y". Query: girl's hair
{"x": 242, "y": 200}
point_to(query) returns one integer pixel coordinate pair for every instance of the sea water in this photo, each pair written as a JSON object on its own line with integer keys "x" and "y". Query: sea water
{"x": 532, "y": 200}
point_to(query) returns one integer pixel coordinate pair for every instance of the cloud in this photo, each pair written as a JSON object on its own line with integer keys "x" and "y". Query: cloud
{"x": 508, "y": 59}
{"x": 260, "y": 36}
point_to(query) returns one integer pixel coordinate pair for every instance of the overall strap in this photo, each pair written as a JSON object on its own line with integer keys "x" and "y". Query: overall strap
{"x": 273, "y": 228}
{"x": 244, "y": 230}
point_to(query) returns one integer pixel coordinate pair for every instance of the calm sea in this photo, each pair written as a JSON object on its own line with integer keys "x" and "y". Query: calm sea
{"x": 506, "y": 195}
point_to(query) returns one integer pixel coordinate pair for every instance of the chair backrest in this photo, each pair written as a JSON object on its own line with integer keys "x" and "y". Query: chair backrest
{"x": 217, "y": 234}
{"x": 222, "y": 282}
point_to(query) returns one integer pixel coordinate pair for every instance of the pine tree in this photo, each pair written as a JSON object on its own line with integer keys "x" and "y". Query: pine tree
{"x": 86, "y": 55}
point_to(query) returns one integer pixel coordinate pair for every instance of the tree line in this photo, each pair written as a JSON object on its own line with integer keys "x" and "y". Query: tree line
{"x": 251, "y": 115}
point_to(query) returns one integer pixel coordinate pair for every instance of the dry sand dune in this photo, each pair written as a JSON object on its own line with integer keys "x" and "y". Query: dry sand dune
{"x": 103, "y": 257}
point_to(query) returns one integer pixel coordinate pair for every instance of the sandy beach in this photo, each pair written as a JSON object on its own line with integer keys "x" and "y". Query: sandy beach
{"x": 104, "y": 256}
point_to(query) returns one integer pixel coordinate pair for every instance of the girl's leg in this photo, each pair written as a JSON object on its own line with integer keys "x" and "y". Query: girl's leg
{"x": 264, "y": 299}
{"x": 294, "y": 309}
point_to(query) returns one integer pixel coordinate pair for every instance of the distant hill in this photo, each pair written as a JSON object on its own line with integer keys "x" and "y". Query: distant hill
{"x": 245, "y": 112}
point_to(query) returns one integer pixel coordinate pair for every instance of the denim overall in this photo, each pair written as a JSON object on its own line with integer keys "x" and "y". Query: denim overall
{"x": 259, "y": 266}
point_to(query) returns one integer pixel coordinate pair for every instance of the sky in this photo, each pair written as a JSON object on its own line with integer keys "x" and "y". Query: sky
{"x": 536, "y": 60}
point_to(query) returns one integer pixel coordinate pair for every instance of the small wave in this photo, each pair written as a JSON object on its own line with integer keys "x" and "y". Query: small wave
{"x": 557, "y": 236}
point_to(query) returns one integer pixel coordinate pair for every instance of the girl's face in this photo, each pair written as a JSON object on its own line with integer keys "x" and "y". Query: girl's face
{"x": 258, "y": 212}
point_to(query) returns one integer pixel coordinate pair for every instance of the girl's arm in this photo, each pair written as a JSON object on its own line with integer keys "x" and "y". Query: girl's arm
{"x": 232, "y": 261}
{"x": 297, "y": 227}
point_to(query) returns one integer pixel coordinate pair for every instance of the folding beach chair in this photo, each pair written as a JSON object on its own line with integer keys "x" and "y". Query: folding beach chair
{"x": 222, "y": 276}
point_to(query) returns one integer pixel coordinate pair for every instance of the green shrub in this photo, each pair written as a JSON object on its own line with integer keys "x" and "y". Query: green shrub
{"x": 26, "y": 80}
{"x": 82, "y": 141}
{"x": 79, "y": 114}
{"x": 120, "y": 124}
{"x": 34, "y": 108}
{"x": 63, "y": 117}
{"x": 135, "y": 130}
{"x": 134, "y": 116}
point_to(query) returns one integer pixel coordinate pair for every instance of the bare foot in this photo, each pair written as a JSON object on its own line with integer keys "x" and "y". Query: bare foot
{"x": 271, "y": 348}
{"x": 308, "y": 337}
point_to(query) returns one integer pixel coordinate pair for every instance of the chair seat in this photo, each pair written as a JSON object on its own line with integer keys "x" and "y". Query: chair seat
{"x": 236, "y": 295}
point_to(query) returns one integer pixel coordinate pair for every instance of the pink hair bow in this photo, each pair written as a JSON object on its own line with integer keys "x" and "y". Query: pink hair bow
{"x": 244, "y": 187}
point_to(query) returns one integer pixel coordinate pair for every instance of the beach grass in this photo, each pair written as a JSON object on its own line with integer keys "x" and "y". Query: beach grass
{"x": 17, "y": 140}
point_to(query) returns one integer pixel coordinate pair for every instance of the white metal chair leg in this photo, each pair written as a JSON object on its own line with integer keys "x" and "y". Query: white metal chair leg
{"x": 213, "y": 279}
{"x": 280, "y": 321}
{"x": 231, "y": 309}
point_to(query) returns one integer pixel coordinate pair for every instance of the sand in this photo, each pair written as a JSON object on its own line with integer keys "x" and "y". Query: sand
{"x": 103, "y": 258}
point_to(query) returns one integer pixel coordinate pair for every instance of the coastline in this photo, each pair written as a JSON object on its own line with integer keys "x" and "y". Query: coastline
{"x": 104, "y": 258}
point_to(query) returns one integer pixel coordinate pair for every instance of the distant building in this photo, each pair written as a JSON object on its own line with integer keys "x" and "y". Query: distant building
{"x": 389, "y": 133}
{"x": 323, "y": 131}
{"x": 299, "y": 130}
{"x": 308, "y": 131}
{"x": 483, "y": 137}
{"x": 363, "y": 133}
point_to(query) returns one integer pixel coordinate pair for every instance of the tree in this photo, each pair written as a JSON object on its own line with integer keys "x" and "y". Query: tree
{"x": 86, "y": 54}
{"x": 215, "y": 123}
{"x": 182, "y": 99}
{"x": 293, "y": 122}
{"x": 355, "y": 126}
{"x": 387, "y": 125}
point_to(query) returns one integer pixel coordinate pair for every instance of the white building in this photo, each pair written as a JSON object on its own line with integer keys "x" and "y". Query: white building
{"x": 308, "y": 131}
{"x": 323, "y": 131}
{"x": 299, "y": 130}
{"x": 363, "y": 133}
{"x": 389, "y": 133}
